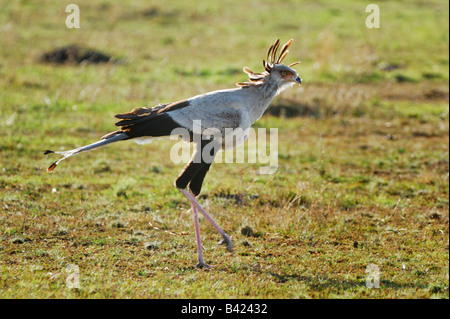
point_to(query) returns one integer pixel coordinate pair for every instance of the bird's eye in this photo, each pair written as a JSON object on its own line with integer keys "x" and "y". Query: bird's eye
{"x": 283, "y": 73}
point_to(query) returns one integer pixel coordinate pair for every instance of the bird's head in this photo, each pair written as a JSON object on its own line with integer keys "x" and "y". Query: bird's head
{"x": 275, "y": 72}
{"x": 284, "y": 74}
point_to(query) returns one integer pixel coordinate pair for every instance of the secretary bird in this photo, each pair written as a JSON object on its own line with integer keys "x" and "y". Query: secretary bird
{"x": 218, "y": 111}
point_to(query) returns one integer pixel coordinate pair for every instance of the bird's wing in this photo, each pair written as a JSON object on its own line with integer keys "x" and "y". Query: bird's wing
{"x": 141, "y": 114}
{"x": 219, "y": 111}
{"x": 212, "y": 114}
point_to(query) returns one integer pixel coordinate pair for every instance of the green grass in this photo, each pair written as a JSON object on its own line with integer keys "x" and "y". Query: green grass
{"x": 363, "y": 153}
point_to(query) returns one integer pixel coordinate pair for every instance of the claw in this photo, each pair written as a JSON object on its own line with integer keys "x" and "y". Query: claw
{"x": 203, "y": 266}
{"x": 227, "y": 241}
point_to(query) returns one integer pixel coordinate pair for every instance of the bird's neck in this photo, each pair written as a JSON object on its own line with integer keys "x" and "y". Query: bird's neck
{"x": 268, "y": 90}
{"x": 263, "y": 96}
{"x": 271, "y": 88}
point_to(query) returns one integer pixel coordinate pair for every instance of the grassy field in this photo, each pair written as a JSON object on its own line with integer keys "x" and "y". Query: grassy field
{"x": 363, "y": 174}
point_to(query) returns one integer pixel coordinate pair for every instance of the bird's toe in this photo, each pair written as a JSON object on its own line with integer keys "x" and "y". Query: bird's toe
{"x": 227, "y": 241}
{"x": 202, "y": 265}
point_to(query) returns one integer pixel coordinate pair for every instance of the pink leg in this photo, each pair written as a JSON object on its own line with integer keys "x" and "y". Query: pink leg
{"x": 193, "y": 200}
{"x": 201, "y": 262}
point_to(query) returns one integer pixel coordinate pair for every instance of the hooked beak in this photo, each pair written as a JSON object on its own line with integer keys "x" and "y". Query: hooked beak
{"x": 296, "y": 80}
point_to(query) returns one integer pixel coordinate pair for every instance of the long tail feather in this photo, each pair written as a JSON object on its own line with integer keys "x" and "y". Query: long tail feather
{"x": 67, "y": 154}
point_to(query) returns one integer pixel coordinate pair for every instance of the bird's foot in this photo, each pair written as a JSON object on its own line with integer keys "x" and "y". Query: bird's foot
{"x": 227, "y": 241}
{"x": 202, "y": 265}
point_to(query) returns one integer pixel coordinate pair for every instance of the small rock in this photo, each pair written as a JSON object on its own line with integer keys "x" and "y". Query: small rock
{"x": 151, "y": 246}
{"x": 118, "y": 224}
{"x": 17, "y": 240}
{"x": 435, "y": 216}
{"x": 20, "y": 240}
{"x": 247, "y": 231}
